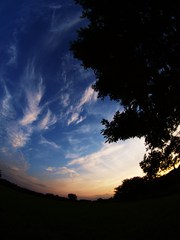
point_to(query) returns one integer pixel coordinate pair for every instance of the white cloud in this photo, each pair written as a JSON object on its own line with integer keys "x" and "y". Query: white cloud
{"x": 65, "y": 99}
{"x": 56, "y": 6}
{"x": 7, "y": 110}
{"x": 68, "y": 172}
{"x": 71, "y": 155}
{"x": 13, "y": 53}
{"x": 50, "y": 169}
{"x": 10, "y": 131}
{"x": 17, "y": 136}
{"x": 88, "y": 97}
{"x": 115, "y": 153}
{"x": 75, "y": 118}
{"x": 16, "y": 131}
{"x": 33, "y": 108}
{"x": 48, "y": 120}
{"x": 60, "y": 26}
{"x": 50, "y": 143}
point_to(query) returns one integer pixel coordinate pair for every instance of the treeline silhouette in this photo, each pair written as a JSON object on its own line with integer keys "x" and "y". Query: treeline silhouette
{"x": 13, "y": 186}
{"x": 141, "y": 187}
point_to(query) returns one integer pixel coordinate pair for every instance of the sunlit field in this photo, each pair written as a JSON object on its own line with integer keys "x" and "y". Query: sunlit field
{"x": 24, "y": 216}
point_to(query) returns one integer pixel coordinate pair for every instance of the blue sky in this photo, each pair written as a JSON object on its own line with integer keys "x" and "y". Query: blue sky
{"x": 50, "y": 119}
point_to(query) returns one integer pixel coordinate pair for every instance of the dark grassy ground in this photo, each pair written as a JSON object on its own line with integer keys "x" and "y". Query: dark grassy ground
{"x": 24, "y": 216}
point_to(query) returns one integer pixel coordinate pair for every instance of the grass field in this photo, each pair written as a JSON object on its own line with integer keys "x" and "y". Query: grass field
{"x": 24, "y": 216}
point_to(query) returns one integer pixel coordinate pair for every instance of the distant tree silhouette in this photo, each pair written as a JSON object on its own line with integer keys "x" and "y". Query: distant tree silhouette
{"x": 134, "y": 49}
{"x": 130, "y": 188}
{"x": 145, "y": 187}
{"x": 72, "y": 197}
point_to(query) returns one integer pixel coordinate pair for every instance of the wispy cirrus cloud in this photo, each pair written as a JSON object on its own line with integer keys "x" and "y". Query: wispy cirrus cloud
{"x": 65, "y": 99}
{"x": 60, "y": 25}
{"x": 17, "y": 136}
{"x": 71, "y": 155}
{"x": 7, "y": 109}
{"x": 50, "y": 143}
{"x": 33, "y": 109}
{"x": 10, "y": 130}
{"x": 13, "y": 54}
{"x": 21, "y": 118}
{"x": 88, "y": 97}
{"x": 48, "y": 120}
{"x": 65, "y": 171}
{"x": 56, "y": 6}
{"x": 75, "y": 118}
{"x": 18, "y": 132}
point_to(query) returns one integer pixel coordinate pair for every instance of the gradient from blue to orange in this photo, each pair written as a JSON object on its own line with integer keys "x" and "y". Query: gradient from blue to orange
{"x": 50, "y": 119}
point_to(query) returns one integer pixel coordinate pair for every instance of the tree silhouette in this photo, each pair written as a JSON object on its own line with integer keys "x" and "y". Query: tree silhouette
{"x": 151, "y": 163}
{"x": 159, "y": 160}
{"x": 134, "y": 49}
{"x": 130, "y": 188}
{"x": 72, "y": 197}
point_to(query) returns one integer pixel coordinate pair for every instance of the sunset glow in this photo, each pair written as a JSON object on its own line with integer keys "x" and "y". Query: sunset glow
{"x": 50, "y": 119}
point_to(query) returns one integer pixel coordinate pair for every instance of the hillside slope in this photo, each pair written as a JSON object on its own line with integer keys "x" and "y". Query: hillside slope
{"x": 32, "y": 217}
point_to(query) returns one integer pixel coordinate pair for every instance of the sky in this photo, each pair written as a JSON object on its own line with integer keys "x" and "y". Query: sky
{"x": 50, "y": 118}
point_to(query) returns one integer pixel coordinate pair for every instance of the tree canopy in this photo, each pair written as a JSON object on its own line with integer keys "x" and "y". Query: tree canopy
{"x": 134, "y": 49}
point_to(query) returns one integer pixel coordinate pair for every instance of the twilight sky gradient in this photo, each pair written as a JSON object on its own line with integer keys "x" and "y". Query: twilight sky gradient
{"x": 50, "y": 118}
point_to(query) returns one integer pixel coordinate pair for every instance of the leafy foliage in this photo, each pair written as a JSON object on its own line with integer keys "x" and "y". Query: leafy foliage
{"x": 134, "y": 49}
{"x": 163, "y": 159}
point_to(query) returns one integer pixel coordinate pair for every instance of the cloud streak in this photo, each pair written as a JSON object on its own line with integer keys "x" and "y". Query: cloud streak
{"x": 13, "y": 54}
{"x": 88, "y": 97}
{"x": 65, "y": 171}
{"x": 17, "y": 136}
{"x": 50, "y": 143}
{"x": 33, "y": 108}
{"x": 59, "y": 26}
{"x": 35, "y": 116}
{"x": 48, "y": 120}
{"x": 65, "y": 99}
{"x": 7, "y": 109}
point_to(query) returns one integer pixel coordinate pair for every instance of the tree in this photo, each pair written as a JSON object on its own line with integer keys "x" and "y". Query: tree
{"x": 151, "y": 163}
{"x": 72, "y": 197}
{"x": 134, "y": 49}
{"x": 159, "y": 160}
{"x": 130, "y": 188}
